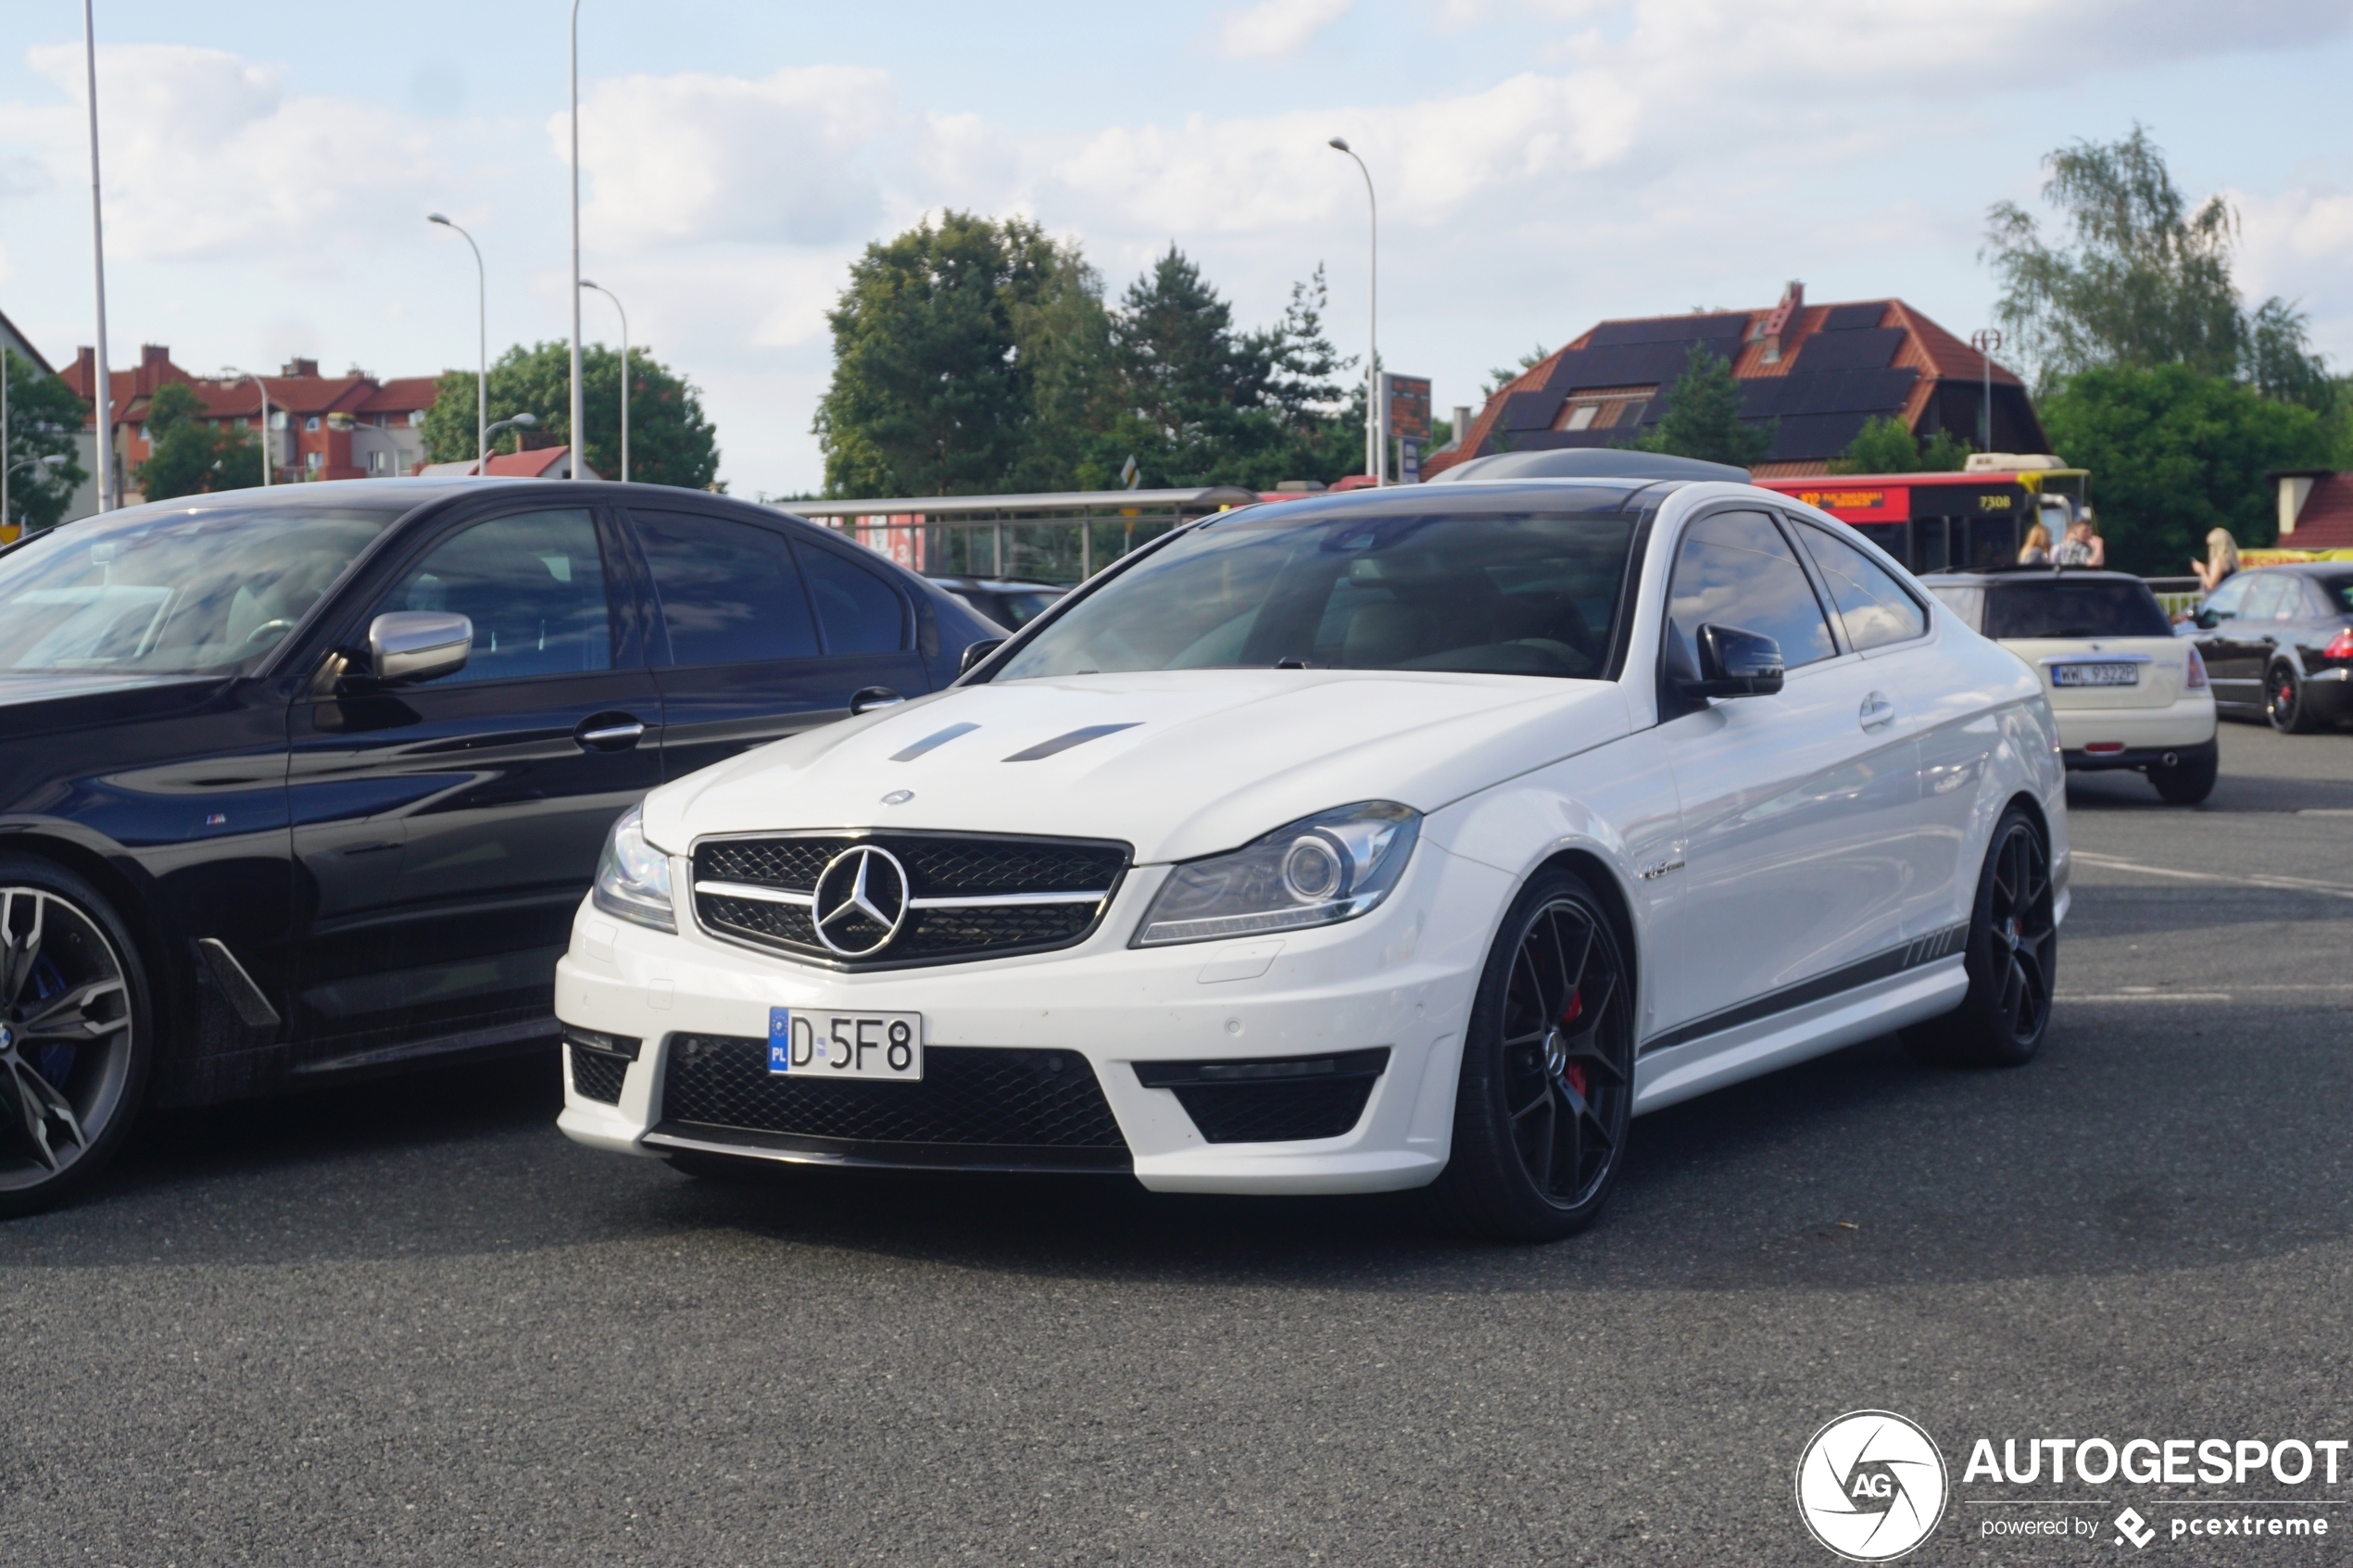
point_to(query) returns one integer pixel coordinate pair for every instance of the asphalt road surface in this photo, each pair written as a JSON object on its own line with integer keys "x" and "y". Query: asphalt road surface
{"x": 414, "y": 1325}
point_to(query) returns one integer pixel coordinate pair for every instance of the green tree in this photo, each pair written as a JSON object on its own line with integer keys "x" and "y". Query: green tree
{"x": 671, "y": 442}
{"x": 2140, "y": 279}
{"x": 187, "y": 456}
{"x": 930, "y": 394}
{"x": 2174, "y": 453}
{"x": 1887, "y": 445}
{"x": 44, "y": 418}
{"x": 1704, "y": 416}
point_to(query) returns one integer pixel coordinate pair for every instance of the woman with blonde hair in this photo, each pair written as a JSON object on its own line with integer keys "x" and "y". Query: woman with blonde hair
{"x": 2222, "y": 559}
{"x": 2036, "y": 551}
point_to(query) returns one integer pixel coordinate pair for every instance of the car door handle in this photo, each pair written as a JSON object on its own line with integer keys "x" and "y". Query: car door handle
{"x": 1876, "y": 711}
{"x": 866, "y": 699}
{"x": 609, "y": 731}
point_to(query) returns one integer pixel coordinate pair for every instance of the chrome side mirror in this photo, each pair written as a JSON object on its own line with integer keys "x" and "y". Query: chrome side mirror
{"x": 407, "y": 646}
{"x": 1735, "y": 663}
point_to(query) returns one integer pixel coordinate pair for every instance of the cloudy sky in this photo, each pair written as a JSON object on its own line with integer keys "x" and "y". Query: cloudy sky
{"x": 1541, "y": 163}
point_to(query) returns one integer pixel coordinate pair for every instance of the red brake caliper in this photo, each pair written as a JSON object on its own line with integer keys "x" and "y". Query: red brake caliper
{"x": 1576, "y": 1073}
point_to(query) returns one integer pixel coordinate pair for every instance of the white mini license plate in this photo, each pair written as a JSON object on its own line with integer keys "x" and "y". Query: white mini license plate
{"x": 817, "y": 1043}
{"x": 2095, "y": 674}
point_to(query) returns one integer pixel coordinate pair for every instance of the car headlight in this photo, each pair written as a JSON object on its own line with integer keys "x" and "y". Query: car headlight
{"x": 1332, "y": 866}
{"x": 633, "y": 877}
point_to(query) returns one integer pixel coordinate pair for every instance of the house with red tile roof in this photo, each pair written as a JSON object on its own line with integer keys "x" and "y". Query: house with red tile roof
{"x": 1814, "y": 373}
{"x": 2316, "y": 509}
{"x": 549, "y": 461}
{"x": 350, "y": 426}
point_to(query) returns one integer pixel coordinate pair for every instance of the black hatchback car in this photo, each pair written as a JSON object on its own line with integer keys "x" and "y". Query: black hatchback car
{"x": 2278, "y": 642}
{"x": 304, "y": 783}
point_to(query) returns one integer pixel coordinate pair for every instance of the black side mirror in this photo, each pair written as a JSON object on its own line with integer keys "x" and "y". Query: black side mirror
{"x": 1735, "y": 663}
{"x": 2206, "y": 620}
{"x": 976, "y": 652}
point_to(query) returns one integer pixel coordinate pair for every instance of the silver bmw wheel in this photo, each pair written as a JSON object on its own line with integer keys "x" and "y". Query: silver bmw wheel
{"x": 69, "y": 1037}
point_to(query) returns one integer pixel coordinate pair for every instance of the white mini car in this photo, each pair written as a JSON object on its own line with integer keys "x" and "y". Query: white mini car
{"x": 1400, "y": 837}
{"x": 2126, "y": 691}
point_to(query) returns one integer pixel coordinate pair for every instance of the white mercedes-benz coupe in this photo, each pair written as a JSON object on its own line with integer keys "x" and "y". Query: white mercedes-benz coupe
{"x": 1412, "y": 837}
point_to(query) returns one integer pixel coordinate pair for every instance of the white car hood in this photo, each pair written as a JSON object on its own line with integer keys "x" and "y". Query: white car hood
{"x": 1212, "y": 758}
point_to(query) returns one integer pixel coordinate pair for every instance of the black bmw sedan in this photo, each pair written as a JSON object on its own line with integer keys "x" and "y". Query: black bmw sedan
{"x": 305, "y": 782}
{"x": 2279, "y": 643}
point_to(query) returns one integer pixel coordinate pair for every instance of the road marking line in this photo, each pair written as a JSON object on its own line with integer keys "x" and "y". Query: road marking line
{"x": 2143, "y": 997}
{"x": 2288, "y": 883}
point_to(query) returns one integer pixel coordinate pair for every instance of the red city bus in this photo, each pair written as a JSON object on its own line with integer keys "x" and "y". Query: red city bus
{"x": 1938, "y": 521}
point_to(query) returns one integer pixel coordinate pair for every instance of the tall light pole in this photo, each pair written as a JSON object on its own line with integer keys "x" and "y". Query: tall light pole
{"x": 268, "y": 452}
{"x": 1985, "y": 340}
{"x": 105, "y": 393}
{"x": 579, "y": 416}
{"x": 482, "y": 347}
{"x": 589, "y": 284}
{"x": 1376, "y": 438}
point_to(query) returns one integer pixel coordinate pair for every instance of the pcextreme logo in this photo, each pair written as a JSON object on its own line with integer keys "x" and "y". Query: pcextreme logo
{"x": 1871, "y": 1486}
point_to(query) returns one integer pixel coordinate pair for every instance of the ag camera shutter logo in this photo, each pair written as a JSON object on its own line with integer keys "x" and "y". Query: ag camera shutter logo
{"x": 1871, "y": 1486}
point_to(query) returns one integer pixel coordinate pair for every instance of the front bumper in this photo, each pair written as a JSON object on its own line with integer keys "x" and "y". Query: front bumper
{"x": 1401, "y": 977}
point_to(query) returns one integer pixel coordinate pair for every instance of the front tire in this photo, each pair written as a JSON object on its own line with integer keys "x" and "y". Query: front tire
{"x": 2283, "y": 701}
{"x": 1547, "y": 1089}
{"x": 2190, "y": 780}
{"x": 76, "y": 1020}
{"x": 2011, "y": 958}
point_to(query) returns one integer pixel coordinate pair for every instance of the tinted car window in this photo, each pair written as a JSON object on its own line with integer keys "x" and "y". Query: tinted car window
{"x": 2062, "y": 608}
{"x": 859, "y": 612}
{"x": 729, "y": 591}
{"x": 1735, "y": 570}
{"x": 176, "y": 592}
{"x": 1872, "y": 606}
{"x": 2338, "y": 592}
{"x": 534, "y": 584}
{"x": 1506, "y": 593}
{"x": 2226, "y": 602}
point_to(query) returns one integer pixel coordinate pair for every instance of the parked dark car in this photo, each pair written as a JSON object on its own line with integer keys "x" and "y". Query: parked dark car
{"x": 305, "y": 782}
{"x": 2278, "y": 642}
{"x": 1012, "y": 604}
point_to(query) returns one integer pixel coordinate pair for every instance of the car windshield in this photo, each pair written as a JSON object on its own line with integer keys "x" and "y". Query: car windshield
{"x": 175, "y": 593}
{"x": 2061, "y": 607}
{"x": 1500, "y": 593}
{"x": 2339, "y": 591}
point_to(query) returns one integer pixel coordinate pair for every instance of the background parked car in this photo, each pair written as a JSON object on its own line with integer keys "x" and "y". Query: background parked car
{"x": 306, "y": 782}
{"x": 2127, "y": 693}
{"x": 2278, "y": 641}
{"x": 1011, "y": 604}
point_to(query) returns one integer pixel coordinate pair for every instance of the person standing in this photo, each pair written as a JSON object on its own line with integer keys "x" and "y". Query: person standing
{"x": 2036, "y": 551}
{"x": 2222, "y": 559}
{"x": 2083, "y": 546}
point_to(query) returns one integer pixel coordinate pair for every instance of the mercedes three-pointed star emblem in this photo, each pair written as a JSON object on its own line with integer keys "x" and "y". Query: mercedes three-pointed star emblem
{"x": 862, "y": 889}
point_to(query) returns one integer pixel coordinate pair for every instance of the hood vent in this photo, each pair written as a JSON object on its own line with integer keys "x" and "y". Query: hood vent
{"x": 1065, "y": 742}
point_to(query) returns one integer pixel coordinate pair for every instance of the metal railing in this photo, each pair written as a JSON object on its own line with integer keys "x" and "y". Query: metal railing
{"x": 1054, "y": 538}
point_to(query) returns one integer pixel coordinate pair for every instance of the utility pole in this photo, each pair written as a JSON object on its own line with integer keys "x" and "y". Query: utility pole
{"x": 105, "y": 393}
{"x": 579, "y": 412}
{"x": 1985, "y": 340}
{"x": 588, "y": 283}
{"x": 482, "y": 347}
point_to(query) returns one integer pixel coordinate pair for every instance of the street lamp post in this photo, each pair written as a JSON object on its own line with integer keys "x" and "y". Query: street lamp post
{"x": 588, "y": 284}
{"x": 520, "y": 421}
{"x": 104, "y": 394}
{"x": 1376, "y": 438}
{"x": 578, "y": 416}
{"x": 1985, "y": 340}
{"x": 267, "y": 454}
{"x": 481, "y": 345}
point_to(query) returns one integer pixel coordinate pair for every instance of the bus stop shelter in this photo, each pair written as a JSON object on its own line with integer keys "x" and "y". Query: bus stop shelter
{"x": 1059, "y": 536}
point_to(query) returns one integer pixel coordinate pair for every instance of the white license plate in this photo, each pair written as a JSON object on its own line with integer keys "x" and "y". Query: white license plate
{"x": 2095, "y": 674}
{"x": 816, "y": 1043}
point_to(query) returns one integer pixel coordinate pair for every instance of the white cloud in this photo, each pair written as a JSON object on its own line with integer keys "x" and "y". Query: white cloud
{"x": 207, "y": 155}
{"x": 1273, "y": 29}
{"x": 699, "y": 158}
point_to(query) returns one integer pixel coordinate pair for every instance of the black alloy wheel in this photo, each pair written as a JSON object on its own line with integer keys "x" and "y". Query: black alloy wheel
{"x": 2011, "y": 958}
{"x": 1547, "y": 1091}
{"x": 2283, "y": 701}
{"x": 74, "y": 1034}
